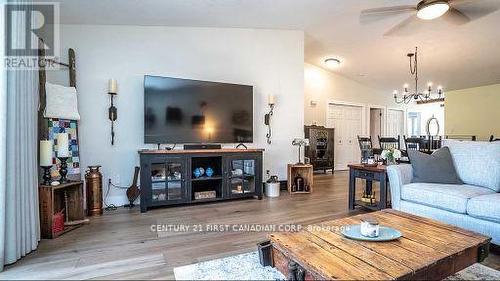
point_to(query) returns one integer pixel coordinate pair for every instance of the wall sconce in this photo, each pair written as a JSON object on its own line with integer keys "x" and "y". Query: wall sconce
{"x": 267, "y": 117}
{"x": 112, "y": 111}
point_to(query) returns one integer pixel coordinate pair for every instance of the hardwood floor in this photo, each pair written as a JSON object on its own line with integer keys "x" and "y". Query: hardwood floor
{"x": 121, "y": 245}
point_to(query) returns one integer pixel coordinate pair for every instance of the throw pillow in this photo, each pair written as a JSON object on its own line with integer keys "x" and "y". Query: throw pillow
{"x": 61, "y": 102}
{"x": 434, "y": 168}
{"x": 477, "y": 162}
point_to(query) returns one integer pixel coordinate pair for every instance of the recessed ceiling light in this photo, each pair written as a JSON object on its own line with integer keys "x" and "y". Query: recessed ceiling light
{"x": 432, "y": 9}
{"x": 333, "y": 63}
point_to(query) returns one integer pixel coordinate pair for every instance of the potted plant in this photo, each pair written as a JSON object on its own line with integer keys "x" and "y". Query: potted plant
{"x": 390, "y": 155}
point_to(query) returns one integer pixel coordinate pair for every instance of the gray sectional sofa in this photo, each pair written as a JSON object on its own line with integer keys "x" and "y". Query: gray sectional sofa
{"x": 474, "y": 205}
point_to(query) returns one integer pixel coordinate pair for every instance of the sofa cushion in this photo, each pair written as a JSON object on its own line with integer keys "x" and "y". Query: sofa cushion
{"x": 450, "y": 197}
{"x": 485, "y": 207}
{"x": 476, "y": 162}
{"x": 435, "y": 168}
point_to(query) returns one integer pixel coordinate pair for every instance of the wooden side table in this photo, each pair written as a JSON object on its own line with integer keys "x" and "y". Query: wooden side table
{"x": 305, "y": 171}
{"x": 370, "y": 174}
{"x": 53, "y": 199}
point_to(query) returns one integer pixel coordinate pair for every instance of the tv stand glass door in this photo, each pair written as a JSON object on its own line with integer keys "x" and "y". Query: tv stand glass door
{"x": 241, "y": 176}
{"x": 168, "y": 180}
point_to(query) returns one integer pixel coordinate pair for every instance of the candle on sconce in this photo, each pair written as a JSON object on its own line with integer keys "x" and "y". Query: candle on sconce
{"x": 270, "y": 99}
{"x": 45, "y": 153}
{"x": 62, "y": 145}
{"x": 112, "y": 87}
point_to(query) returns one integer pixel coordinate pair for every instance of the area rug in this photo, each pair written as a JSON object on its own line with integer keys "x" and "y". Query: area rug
{"x": 247, "y": 267}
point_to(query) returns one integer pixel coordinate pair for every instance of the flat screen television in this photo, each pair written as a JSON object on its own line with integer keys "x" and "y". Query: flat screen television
{"x": 191, "y": 111}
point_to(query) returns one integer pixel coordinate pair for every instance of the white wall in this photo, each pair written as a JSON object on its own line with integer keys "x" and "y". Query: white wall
{"x": 323, "y": 86}
{"x": 271, "y": 60}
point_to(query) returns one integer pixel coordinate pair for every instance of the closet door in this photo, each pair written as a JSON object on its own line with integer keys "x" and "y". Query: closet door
{"x": 356, "y": 129}
{"x": 395, "y": 123}
{"x": 346, "y": 120}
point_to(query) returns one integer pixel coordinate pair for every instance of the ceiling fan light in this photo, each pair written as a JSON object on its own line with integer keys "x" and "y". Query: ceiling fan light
{"x": 432, "y": 10}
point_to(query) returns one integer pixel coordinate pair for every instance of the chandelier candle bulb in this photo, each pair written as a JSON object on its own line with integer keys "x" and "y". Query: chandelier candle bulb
{"x": 45, "y": 153}
{"x": 62, "y": 145}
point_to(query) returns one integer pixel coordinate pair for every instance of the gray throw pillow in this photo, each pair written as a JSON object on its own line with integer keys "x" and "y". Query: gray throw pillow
{"x": 434, "y": 168}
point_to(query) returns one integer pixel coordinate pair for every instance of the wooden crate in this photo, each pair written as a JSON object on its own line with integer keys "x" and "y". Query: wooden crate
{"x": 52, "y": 200}
{"x": 305, "y": 171}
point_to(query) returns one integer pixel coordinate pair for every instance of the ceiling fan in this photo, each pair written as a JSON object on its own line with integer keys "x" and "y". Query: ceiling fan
{"x": 457, "y": 12}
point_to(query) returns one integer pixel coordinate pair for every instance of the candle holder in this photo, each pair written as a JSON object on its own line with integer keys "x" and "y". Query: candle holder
{"x": 113, "y": 115}
{"x": 47, "y": 179}
{"x": 267, "y": 122}
{"x": 63, "y": 169}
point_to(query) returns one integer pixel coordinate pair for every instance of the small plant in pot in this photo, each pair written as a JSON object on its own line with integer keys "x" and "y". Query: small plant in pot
{"x": 390, "y": 156}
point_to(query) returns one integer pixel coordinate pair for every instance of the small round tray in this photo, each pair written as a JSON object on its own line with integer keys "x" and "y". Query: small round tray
{"x": 353, "y": 231}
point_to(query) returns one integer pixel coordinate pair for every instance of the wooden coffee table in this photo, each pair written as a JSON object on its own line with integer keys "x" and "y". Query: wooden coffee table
{"x": 427, "y": 250}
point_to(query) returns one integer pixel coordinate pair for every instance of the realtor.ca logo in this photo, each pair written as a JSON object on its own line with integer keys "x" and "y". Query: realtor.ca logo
{"x": 31, "y": 29}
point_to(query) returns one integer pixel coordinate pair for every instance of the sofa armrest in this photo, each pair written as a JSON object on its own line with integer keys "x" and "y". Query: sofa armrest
{"x": 399, "y": 175}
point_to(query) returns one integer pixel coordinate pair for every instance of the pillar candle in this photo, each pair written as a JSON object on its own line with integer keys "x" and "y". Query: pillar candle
{"x": 113, "y": 86}
{"x": 45, "y": 153}
{"x": 271, "y": 99}
{"x": 62, "y": 145}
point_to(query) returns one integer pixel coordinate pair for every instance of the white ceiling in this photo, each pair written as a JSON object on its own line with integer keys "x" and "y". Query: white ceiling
{"x": 454, "y": 56}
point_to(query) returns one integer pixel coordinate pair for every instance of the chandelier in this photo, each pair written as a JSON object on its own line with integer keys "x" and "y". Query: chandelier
{"x": 408, "y": 96}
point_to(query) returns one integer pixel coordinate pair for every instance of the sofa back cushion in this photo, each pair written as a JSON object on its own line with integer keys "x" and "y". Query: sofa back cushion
{"x": 477, "y": 163}
{"x": 435, "y": 168}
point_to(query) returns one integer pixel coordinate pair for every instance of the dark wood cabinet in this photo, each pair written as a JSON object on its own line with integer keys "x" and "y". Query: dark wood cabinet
{"x": 321, "y": 147}
{"x": 168, "y": 177}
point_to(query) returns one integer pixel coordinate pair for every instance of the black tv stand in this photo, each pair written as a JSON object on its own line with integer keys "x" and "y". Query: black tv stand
{"x": 202, "y": 146}
{"x": 168, "y": 177}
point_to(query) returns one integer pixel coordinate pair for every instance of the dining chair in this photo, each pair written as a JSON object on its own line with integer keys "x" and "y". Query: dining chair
{"x": 365, "y": 143}
{"x": 436, "y": 143}
{"x": 389, "y": 142}
{"x": 414, "y": 143}
{"x": 461, "y": 137}
{"x": 366, "y": 147}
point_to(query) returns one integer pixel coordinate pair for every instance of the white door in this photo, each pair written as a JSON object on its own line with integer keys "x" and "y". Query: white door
{"x": 395, "y": 123}
{"x": 346, "y": 120}
{"x": 376, "y": 124}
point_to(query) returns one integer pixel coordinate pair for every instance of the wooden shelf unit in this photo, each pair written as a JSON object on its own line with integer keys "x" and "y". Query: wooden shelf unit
{"x": 305, "y": 171}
